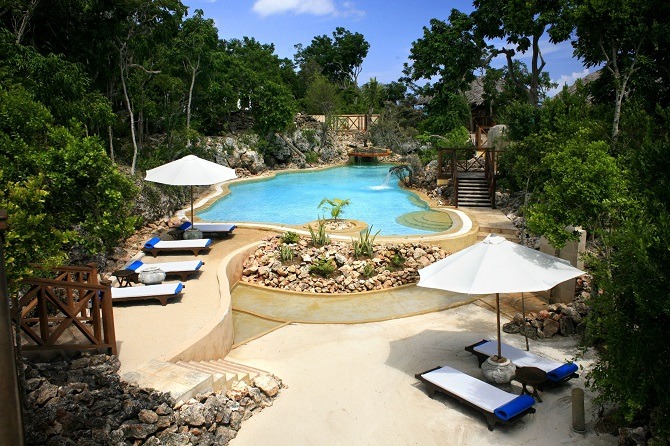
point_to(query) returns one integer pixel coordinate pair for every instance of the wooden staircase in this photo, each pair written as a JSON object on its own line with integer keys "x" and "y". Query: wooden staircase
{"x": 473, "y": 190}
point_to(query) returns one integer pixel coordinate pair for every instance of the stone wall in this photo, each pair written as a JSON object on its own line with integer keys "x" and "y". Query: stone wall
{"x": 84, "y": 401}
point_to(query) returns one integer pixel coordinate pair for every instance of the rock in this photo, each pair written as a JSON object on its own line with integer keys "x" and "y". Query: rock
{"x": 550, "y": 327}
{"x": 148, "y": 416}
{"x": 137, "y": 430}
{"x": 567, "y": 326}
{"x": 193, "y": 415}
{"x": 224, "y": 435}
{"x": 44, "y": 393}
{"x": 632, "y": 436}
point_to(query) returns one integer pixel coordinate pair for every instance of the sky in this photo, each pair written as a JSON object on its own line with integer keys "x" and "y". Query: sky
{"x": 389, "y": 26}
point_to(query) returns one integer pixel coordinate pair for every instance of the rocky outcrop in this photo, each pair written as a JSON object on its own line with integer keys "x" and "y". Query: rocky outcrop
{"x": 391, "y": 265}
{"x": 85, "y": 402}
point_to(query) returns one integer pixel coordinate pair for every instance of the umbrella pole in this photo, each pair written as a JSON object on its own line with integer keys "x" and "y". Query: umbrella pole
{"x": 498, "y": 318}
{"x": 192, "y": 221}
{"x": 523, "y": 314}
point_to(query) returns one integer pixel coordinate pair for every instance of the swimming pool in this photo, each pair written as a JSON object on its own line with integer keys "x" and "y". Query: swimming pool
{"x": 293, "y": 198}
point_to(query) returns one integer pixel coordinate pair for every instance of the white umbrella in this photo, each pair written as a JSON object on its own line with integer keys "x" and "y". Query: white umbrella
{"x": 496, "y": 265}
{"x": 190, "y": 171}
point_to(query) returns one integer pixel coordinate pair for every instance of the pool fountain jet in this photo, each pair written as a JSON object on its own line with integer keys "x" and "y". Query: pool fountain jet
{"x": 385, "y": 184}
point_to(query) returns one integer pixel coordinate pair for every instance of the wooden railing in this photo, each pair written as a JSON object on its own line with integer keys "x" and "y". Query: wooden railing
{"x": 349, "y": 123}
{"x": 74, "y": 301}
{"x": 451, "y": 162}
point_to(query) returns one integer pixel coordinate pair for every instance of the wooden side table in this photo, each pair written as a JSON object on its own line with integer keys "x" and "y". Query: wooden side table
{"x": 531, "y": 376}
{"x": 125, "y": 277}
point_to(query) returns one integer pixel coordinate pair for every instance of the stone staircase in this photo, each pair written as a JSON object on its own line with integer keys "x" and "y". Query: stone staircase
{"x": 473, "y": 191}
{"x": 184, "y": 380}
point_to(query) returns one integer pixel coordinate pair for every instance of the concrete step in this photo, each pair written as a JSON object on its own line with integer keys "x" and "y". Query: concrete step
{"x": 221, "y": 380}
{"x": 250, "y": 372}
{"x": 180, "y": 382}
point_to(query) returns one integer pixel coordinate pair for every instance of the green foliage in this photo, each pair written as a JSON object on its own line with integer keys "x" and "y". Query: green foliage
{"x": 320, "y": 236}
{"x": 323, "y": 267}
{"x": 289, "y": 237}
{"x": 369, "y": 270}
{"x": 311, "y": 157}
{"x": 337, "y": 206}
{"x": 364, "y": 246}
{"x": 321, "y": 97}
{"x": 286, "y": 253}
{"x": 340, "y": 57}
{"x": 397, "y": 261}
{"x": 585, "y": 188}
{"x": 62, "y": 194}
{"x": 273, "y": 108}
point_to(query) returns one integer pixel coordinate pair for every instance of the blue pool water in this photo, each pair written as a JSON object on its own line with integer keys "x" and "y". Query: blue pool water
{"x": 293, "y": 198}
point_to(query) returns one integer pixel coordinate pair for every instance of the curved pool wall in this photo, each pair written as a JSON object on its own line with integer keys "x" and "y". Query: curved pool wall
{"x": 291, "y": 198}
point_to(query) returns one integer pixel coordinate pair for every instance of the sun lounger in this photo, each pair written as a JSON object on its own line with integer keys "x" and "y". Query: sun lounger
{"x": 161, "y": 292}
{"x": 497, "y": 405}
{"x": 556, "y": 371}
{"x": 212, "y": 228}
{"x": 156, "y": 245}
{"x": 181, "y": 269}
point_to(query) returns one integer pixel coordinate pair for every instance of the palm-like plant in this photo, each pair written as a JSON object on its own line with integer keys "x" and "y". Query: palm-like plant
{"x": 336, "y": 206}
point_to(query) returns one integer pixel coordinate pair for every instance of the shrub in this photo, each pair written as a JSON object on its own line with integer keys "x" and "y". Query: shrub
{"x": 320, "y": 237}
{"x": 286, "y": 253}
{"x": 323, "y": 267}
{"x": 311, "y": 157}
{"x": 364, "y": 246}
{"x": 289, "y": 237}
{"x": 369, "y": 270}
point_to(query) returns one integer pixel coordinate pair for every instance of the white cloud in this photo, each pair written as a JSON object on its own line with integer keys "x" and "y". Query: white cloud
{"x": 266, "y": 8}
{"x": 315, "y": 7}
{"x": 567, "y": 79}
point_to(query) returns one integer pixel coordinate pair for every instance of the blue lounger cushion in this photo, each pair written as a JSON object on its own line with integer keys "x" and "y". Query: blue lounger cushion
{"x": 184, "y": 226}
{"x": 561, "y": 373}
{"x": 152, "y": 243}
{"x": 518, "y": 405}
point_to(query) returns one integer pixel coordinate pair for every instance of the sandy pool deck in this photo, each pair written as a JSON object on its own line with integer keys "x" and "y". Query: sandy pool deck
{"x": 355, "y": 385}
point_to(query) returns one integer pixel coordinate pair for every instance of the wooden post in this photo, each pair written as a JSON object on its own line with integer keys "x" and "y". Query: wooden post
{"x": 11, "y": 421}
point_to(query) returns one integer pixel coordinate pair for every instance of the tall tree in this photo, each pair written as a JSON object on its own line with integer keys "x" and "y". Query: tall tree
{"x": 625, "y": 36}
{"x": 340, "y": 57}
{"x": 520, "y": 25}
{"x": 196, "y": 42}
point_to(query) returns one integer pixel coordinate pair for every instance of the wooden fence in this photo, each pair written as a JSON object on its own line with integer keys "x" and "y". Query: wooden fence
{"x": 74, "y": 302}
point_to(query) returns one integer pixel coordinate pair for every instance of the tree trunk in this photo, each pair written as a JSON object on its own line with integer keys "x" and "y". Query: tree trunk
{"x": 23, "y": 21}
{"x": 131, "y": 115}
{"x": 194, "y": 73}
{"x": 110, "y": 134}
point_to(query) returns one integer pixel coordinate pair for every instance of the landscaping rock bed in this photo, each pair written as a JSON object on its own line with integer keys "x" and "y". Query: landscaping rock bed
{"x": 564, "y": 319}
{"x": 391, "y": 265}
{"x": 84, "y": 402}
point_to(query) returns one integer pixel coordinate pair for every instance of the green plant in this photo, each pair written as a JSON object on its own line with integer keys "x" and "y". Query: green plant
{"x": 364, "y": 246}
{"x": 320, "y": 237}
{"x": 369, "y": 270}
{"x": 311, "y": 157}
{"x": 336, "y": 206}
{"x": 286, "y": 253}
{"x": 323, "y": 267}
{"x": 290, "y": 237}
{"x": 397, "y": 261}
